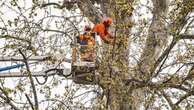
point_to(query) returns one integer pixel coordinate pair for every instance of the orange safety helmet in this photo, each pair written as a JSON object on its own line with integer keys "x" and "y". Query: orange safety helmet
{"x": 87, "y": 28}
{"x": 108, "y": 20}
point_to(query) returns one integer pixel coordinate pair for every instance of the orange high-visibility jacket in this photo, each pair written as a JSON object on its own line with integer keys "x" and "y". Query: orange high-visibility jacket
{"x": 101, "y": 30}
{"x": 89, "y": 39}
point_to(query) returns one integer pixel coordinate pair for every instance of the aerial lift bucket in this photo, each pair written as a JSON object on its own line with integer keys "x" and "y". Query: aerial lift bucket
{"x": 84, "y": 70}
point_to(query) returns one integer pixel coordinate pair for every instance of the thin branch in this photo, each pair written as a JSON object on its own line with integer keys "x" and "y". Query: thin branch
{"x": 65, "y": 3}
{"x": 190, "y": 23}
{"x": 16, "y": 38}
{"x": 160, "y": 68}
{"x": 172, "y": 76}
{"x": 57, "y": 100}
{"x": 190, "y": 73}
{"x": 164, "y": 54}
{"x": 31, "y": 79}
{"x": 186, "y": 36}
{"x": 58, "y": 31}
{"x": 52, "y": 4}
{"x": 30, "y": 102}
{"x": 167, "y": 99}
{"x": 184, "y": 97}
{"x": 166, "y": 86}
{"x": 7, "y": 99}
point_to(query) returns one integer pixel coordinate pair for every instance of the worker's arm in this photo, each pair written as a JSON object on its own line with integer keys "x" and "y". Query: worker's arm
{"x": 100, "y": 29}
{"x": 108, "y": 39}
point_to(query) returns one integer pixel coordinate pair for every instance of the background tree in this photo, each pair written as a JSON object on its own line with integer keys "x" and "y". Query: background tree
{"x": 149, "y": 66}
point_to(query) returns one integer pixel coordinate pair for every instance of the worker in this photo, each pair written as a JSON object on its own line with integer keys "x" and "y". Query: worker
{"x": 87, "y": 43}
{"x": 102, "y": 30}
{"x": 88, "y": 37}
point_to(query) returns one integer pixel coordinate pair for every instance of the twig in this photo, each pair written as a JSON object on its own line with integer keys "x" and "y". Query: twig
{"x": 30, "y": 102}
{"x": 184, "y": 97}
{"x": 31, "y": 79}
{"x": 164, "y": 54}
{"x": 167, "y": 99}
{"x": 7, "y": 99}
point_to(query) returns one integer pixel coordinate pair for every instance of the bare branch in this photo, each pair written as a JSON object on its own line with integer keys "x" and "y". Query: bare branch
{"x": 65, "y": 4}
{"x": 167, "y": 99}
{"x": 86, "y": 6}
{"x": 16, "y": 38}
{"x": 30, "y": 102}
{"x": 31, "y": 79}
{"x": 164, "y": 54}
{"x": 186, "y": 36}
{"x": 89, "y": 10}
{"x": 184, "y": 97}
{"x": 7, "y": 99}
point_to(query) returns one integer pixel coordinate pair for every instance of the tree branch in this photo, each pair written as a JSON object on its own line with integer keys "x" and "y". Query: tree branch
{"x": 51, "y": 4}
{"x": 180, "y": 20}
{"x": 164, "y": 54}
{"x": 64, "y": 5}
{"x": 167, "y": 99}
{"x": 86, "y": 6}
{"x": 184, "y": 97}
{"x": 89, "y": 10}
{"x": 31, "y": 79}
{"x": 186, "y": 36}
{"x": 16, "y": 38}
{"x": 7, "y": 99}
{"x": 30, "y": 102}
{"x": 155, "y": 39}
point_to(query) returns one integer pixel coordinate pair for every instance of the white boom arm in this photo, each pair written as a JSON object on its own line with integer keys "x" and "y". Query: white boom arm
{"x": 34, "y": 58}
{"x": 66, "y": 71}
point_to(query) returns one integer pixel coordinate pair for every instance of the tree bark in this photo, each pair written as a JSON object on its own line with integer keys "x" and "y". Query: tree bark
{"x": 89, "y": 10}
{"x": 116, "y": 62}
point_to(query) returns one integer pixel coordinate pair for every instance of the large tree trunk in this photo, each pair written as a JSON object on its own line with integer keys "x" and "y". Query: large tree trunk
{"x": 114, "y": 68}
